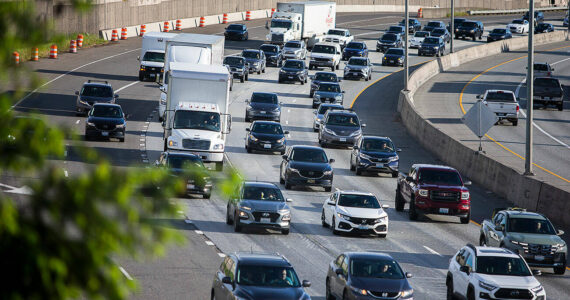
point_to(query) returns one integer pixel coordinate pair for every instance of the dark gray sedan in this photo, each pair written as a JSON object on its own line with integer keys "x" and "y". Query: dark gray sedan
{"x": 263, "y": 106}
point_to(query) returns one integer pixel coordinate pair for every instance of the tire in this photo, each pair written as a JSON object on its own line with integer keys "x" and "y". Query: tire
{"x": 470, "y": 294}
{"x": 279, "y": 81}
{"x": 247, "y": 77}
{"x": 366, "y": 79}
{"x": 229, "y": 221}
{"x": 482, "y": 241}
{"x": 399, "y": 201}
{"x": 560, "y": 270}
{"x": 305, "y": 79}
{"x": 247, "y": 119}
{"x": 263, "y": 71}
{"x": 333, "y": 227}
{"x": 450, "y": 295}
{"x": 328, "y": 295}
{"x": 207, "y": 196}
{"x": 438, "y": 53}
{"x": 412, "y": 213}
{"x": 141, "y": 77}
{"x": 287, "y": 185}
{"x": 328, "y": 188}
{"x": 345, "y": 295}
{"x": 382, "y": 235}
{"x": 394, "y": 174}
{"x": 282, "y": 152}
{"x": 466, "y": 219}
{"x": 352, "y": 168}
{"x": 122, "y": 140}
{"x": 311, "y": 94}
{"x": 242, "y": 79}
{"x": 323, "y": 222}
{"x": 219, "y": 166}
{"x": 332, "y": 68}
{"x": 358, "y": 170}
{"x": 237, "y": 226}
{"x": 337, "y": 66}
{"x": 561, "y": 107}
{"x": 474, "y": 38}
{"x": 302, "y": 82}
{"x": 248, "y": 149}
{"x": 259, "y": 72}
{"x": 285, "y": 231}
{"x": 515, "y": 122}
{"x": 281, "y": 181}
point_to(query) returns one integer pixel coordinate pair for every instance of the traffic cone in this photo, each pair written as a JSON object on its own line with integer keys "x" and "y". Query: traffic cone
{"x": 143, "y": 30}
{"x": 166, "y": 27}
{"x": 178, "y": 25}
{"x": 248, "y": 15}
{"x": 225, "y": 19}
{"x": 72, "y": 46}
{"x": 420, "y": 13}
{"x": 16, "y": 56}
{"x": 202, "y": 21}
{"x": 114, "y": 36}
{"x": 123, "y": 33}
{"x": 272, "y": 11}
{"x": 35, "y": 54}
{"x": 79, "y": 40}
{"x": 53, "y": 51}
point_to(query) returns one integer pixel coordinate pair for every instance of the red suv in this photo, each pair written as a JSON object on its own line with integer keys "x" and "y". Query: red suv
{"x": 434, "y": 189}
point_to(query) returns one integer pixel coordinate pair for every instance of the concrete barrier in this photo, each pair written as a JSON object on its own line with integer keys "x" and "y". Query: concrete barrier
{"x": 503, "y": 180}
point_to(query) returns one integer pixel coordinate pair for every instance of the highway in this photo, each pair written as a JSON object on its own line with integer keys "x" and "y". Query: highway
{"x": 423, "y": 247}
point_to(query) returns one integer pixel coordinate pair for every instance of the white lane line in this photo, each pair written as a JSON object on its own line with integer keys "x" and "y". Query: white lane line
{"x": 187, "y": 221}
{"x": 432, "y": 251}
{"x": 221, "y": 255}
{"x": 209, "y": 243}
{"x": 125, "y": 273}
{"x": 68, "y": 72}
{"x": 65, "y": 173}
{"x": 126, "y": 86}
{"x": 77, "y": 122}
{"x": 198, "y": 231}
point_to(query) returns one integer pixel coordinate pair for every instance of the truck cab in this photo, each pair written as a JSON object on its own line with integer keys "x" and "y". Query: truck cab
{"x": 339, "y": 36}
{"x": 284, "y": 27}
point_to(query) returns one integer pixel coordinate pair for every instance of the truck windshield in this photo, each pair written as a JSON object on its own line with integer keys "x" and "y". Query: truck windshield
{"x": 508, "y": 266}
{"x": 528, "y": 225}
{"x": 200, "y": 120}
{"x": 335, "y": 32}
{"x": 499, "y": 97}
{"x": 153, "y": 57}
{"x": 440, "y": 177}
{"x": 324, "y": 49}
{"x": 281, "y": 24}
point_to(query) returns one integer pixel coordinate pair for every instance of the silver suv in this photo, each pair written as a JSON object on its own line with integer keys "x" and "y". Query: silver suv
{"x": 295, "y": 50}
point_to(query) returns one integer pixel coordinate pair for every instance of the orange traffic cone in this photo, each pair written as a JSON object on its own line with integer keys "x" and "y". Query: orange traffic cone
{"x": 420, "y": 13}
{"x": 80, "y": 40}
{"x": 35, "y": 54}
{"x": 166, "y": 27}
{"x": 53, "y": 51}
{"x": 225, "y": 19}
{"x": 143, "y": 30}
{"x": 72, "y": 46}
{"x": 16, "y": 56}
{"x": 202, "y": 21}
{"x": 114, "y": 36}
{"x": 178, "y": 25}
{"x": 123, "y": 33}
{"x": 248, "y": 15}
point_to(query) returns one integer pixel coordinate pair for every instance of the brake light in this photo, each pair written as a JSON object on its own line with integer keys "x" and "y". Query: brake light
{"x": 518, "y": 107}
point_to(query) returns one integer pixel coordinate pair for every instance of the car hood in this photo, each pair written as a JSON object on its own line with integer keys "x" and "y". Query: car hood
{"x": 442, "y": 187}
{"x": 100, "y": 120}
{"x": 531, "y": 238}
{"x": 263, "y": 106}
{"x": 291, "y": 70}
{"x": 267, "y": 137}
{"x": 354, "y": 67}
{"x": 256, "y": 292}
{"x": 334, "y": 36}
{"x": 327, "y": 94}
{"x": 358, "y": 212}
{"x": 96, "y": 99}
{"x": 380, "y": 284}
{"x": 514, "y": 282}
{"x": 310, "y": 166}
{"x": 260, "y": 205}
{"x": 379, "y": 154}
{"x": 342, "y": 130}
{"x": 196, "y": 134}
{"x": 154, "y": 64}
{"x": 322, "y": 55}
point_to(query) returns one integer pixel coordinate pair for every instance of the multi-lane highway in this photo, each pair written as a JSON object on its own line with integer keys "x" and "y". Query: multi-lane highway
{"x": 423, "y": 248}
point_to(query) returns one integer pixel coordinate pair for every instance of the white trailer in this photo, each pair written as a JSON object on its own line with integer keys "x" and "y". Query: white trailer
{"x": 152, "y": 54}
{"x": 197, "y": 118}
{"x": 308, "y": 21}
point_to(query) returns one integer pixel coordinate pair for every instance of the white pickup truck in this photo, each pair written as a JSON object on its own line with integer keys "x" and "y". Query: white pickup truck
{"x": 339, "y": 36}
{"x": 325, "y": 55}
{"x": 503, "y": 103}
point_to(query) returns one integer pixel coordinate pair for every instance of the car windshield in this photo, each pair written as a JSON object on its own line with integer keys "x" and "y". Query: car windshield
{"x": 353, "y": 45}
{"x": 499, "y": 97}
{"x": 547, "y": 82}
{"x": 326, "y": 77}
{"x": 517, "y": 22}
{"x": 153, "y": 56}
{"x": 395, "y": 28}
{"x": 293, "y": 45}
{"x": 438, "y": 31}
{"x": 97, "y": 91}
{"x": 430, "y": 40}
{"x": 324, "y": 49}
{"x": 105, "y": 111}
{"x": 421, "y": 34}
{"x": 268, "y": 48}
{"x": 323, "y": 108}
{"x": 433, "y": 24}
{"x": 180, "y": 162}
{"x": 281, "y": 24}
{"x": 262, "y": 193}
{"x": 393, "y": 51}
{"x": 293, "y": 64}
{"x": 528, "y": 225}
{"x": 233, "y": 61}
{"x": 361, "y": 201}
{"x": 469, "y": 24}
{"x": 250, "y": 54}
{"x": 499, "y": 31}
{"x": 333, "y": 88}
{"x": 309, "y": 155}
{"x": 343, "y": 120}
{"x": 270, "y": 276}
{"x": 377, "y": 145}
{"x": 440, "y": 177}
{"x": 187, "y": 119}
{"x": 375, "y": 268}
{"x": 540, "y": 67}
{"x": 235, "y": 27}
{"x": 390, "y": 37}
{"x": 267, "y": 128}
{"x": 264, "y": 98}
{"x": 357, "y": 62}
{"x": 508, "y": 266}
{"x": 335, "y": 32}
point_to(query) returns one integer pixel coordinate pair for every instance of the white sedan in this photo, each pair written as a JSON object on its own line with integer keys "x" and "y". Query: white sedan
{"x": 518, "y": 26}
{"x": 418, "y": 39}
{"x": 351, "y": 211}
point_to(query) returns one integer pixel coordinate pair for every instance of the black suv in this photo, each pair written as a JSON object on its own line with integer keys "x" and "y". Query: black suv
{"x": 394, "y": 57}
{"x": 259, "y": 204}
{"x": 265, "y": 136}
{"x": 472, "y": 29}
{"x": 432, "y": 46}
{"x": 191, "y": 167}
{"x": 294, "y": 70}
{"x": 94, "y": 91}
{"x": 236, "y": 32}
{"x": 273, "y": 55}
{"x": 319, "y": 77}
{"x": 414, "y": 25}
{"x": 340, "y": 127}
{"x": 548, "y": 90}
{"x": 264, "y": 106}
{"x": 258, "y": 276}
{"x": 431, "y": 25}
{"x": 367, "y": 275}
{"x": 107, "y": 121}
{"x": 456, "y": 23}
{"x": 307, "y": 166}
{"x": 387, "y": 41}
{"x": 375, "y": 154}
{"x": 255, "y": 60}
{"x": 238, "y": 67}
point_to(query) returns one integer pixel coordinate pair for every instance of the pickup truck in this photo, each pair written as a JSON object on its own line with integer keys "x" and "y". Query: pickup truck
{"x": 325, "y": 55}
{"x": 530, "y": 234}
{"x": 338, "y": 36}
{"x": 548, "y": 91}
{"x": 503, "y": 103}
{"x": 434, "y": 189}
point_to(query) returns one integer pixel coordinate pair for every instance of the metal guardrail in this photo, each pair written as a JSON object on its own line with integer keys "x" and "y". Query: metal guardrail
{"x": 515, "y": 11}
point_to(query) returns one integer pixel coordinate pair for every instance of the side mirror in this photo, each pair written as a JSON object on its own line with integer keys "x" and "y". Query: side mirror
{"x": 355, "y": 147}
{"x": 116, "y": 96}
{"x": 409, "y": 275}
{"x": 284, "y": 157}
{"x": 286, "y": 132}
{"x": 77, "y": 93}
{"x": 560, "y": 232}
{"x": 385, "y": 206}
{"x": 536, "y": 272}
{"x": 464, "y": 269}
{"x": 127, "y": 116}
{"x": 499, "y": 228}
{"x": 398, "y": 150}
{"x": 339, "y": 271}
{"x": 468, "y": 182}
{"x": 478, "y": 96}
{"x": 227, "y": 280}
{"x": 247, "y": 129}
{"x": 362, "y": 125}
{"x": 331, "y": 160}
{"x": 306, "y": 283}
{"x": 246, "y": 100}
{"x": 289, "y": 200}
{"x": 409, "y": 178}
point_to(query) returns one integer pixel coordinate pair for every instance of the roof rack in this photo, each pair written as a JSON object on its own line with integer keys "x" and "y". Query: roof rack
{"x": 496, "y": 210}
{"x": 95, "y": 80}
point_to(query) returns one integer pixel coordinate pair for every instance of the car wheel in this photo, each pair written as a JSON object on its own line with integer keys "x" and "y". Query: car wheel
{"x": 345, "y": 295}
{"x": 247, "y": 76}
{"x": 450, "y": 295}
{"x": 482, "y": 241}
{"x": 328, "y": 188}
{"x": 282, "y": 152}
{"x": 141, "y": 78}
{"x": 560, "y": 270}
{"x": 207, "y": 196}
{"x": 358, "y": 170}
{"x": 229, "y": 220}
{"x": 263, "y": 71}
{"x": 287, "y": 185}
{"x": 332, "y": 68}
{"x": 258, "y": 72}
{"x": 394, "y": 174}
{"x": 352, "y": 168}
{"x": 237, "y": 226}
{"x": 328, "y": 295}
{"x": 248, "y": 149}
{"x": 305, "y": 79}
{"x": 281, "y": 180}
{"x": 311, "y": 94}
{"x": 382, "y": 235}
{"x": 474, "y": 38}
{"x": 285, "y": 231}
{"x": 302, "y": 82}
{"x": 122, "y": 140}
{"x": 399, "y": 200}
{"x": 242, "y": 79}
{"x": 466, "y": 219}
{"x": 337, "y": 66}
{"x": 366, "y": 78}
{"x": 247, "y": 119}
{"x": 561, "y": 107}
{"x": 515, "y": 122}
{"x": 470, "y": 294}
{"x": 333, "y": 226}
{"x": 412, "y": 213}
{"x": 323, "y": 221}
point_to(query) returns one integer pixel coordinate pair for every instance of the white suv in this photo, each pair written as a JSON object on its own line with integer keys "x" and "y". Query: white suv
{"x": 491, "y": 273}
{"x": 325, "y": 55}
{"x": 351, "y": 211}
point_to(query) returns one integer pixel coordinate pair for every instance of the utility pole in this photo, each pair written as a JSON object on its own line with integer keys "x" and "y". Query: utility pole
{"x": 529, "y": 91}
{"x": 406, "y": 47}
{"x": 568, "y": 16}
{"x": 452, "y": 26}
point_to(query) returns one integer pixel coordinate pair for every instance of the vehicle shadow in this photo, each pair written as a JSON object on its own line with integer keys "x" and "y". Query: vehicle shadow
{"x": 105, "y": 76}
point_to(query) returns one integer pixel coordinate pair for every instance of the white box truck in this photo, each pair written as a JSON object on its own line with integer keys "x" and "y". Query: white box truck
{"x": 197, "y": 118}
{"x": 308, "y": 21}
{"x": 152, "y": 54}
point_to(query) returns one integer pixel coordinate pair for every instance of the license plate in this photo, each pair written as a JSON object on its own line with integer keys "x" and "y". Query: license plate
{"x": 263, "y": 112}
{"x": 391, "y": 61}
{"x": 501, "y": 115}
{"x": 190, "y": 186}
{"x": 104, "y": 133}
{"x": 444, "y": 210}
{"x": 343, "y": 139}
{"x": 362, "y": 227}
{"x": 267, "y": 146}
{"x": 265, "y": 220}
{"x": 310, "y": 181}
{"x": 290, "y": 77}
{"x": 152, "y": 75}
{"x": 379, "y": 165}
{"x": 539, "y": 257}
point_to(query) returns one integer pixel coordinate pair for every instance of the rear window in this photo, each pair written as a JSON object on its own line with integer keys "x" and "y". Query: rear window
{"x": 547, "y": 82}
{"x": 293, "y": 45}
{"x": 541, "y": 67}
{"x": 500, "y": 97}
{"x": 353, "y": 45}
{"x": 97, "y": 91}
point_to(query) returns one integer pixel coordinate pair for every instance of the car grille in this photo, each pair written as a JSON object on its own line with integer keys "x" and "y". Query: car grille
{"x": 257, "y": 215}
{"x": 362, "y": 221}
{"x": 321, "y": 59}
{"x": 311, "y": 174}
{"x": 153, "y": 69}
{"x": 196, "y": 144}
{"x": 105, "y": 126}
{"x": 513, "y": 294}
{"x": 536, "y": 249}
{"x": 383, "y": 295}
{"x": 277, "y": 37}
{"x": 444, "y": 196}
{"x": 332, "y": 40}
{"x": 379, "y": 160}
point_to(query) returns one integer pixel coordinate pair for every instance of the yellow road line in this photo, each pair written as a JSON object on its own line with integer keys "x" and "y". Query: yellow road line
{"x": 492, "y": 139}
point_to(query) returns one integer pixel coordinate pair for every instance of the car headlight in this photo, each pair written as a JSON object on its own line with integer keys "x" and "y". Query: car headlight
{"x": 364, "y": 156}
{"x": 281, "y": 140}
{"x": 359, "y": 291}
{"x": 248, "y": 107}
{"x": 537, "y": 289}
{"x": 347, "y": 69}
{"x": 90, "y": 124}
{"x": 282, "y": 71}
{"x": 343, "y": 216}
{"x": 464, "y": 195}
{"x": 251, "y": 137}
{"x": 472, "y": 30}
{"x": 219, "y": 147}
{"x": 83, "y": 102}
{"x": 329, "y": 131}
{"x": 172, "y": 143}
{"x": 436, "y": 47}
{"x": 400, "y": 58}
{"x": 276, "y": 109}
{"x": 393, "y": 158}
{"x": 407, "y": 293}
{"x": 423, "y": 193}
{"x": 385, "y": 58}
{"x": 518, "y": 243}
{"x": 329, "y": 172}
{"x": 382, "y": 219}
{"x": 486, "y": 286}
{"x": 121, "y": 125}
{"x": 293, "y": 170}
{"x": 356, "y": 133}
{"x": 239, "y": 69}
{"x": 286, "y": 217}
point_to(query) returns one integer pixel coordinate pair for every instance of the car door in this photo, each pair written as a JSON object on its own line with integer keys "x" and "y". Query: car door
{"x": 493, "y": 238}
{"x": 333, "y": 276}
{"x": 340, "y": 280}
{"x": 408, "y": 192}
{"x": 461, "y": 281}
{"x": 455, "y": 264}
{"x": 222, "y": 290}
{"x": 365, "y": 52}
{"x": 330, "y": 209}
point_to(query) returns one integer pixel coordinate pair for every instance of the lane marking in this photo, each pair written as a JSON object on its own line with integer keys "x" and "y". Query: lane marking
{"x": 209, "y": 243}
{"x": 125, "y": 273}
{"x": 489, "y": 137}
{"x": 432, "y": 251}
{"x": 126, "y": 86}
{"x": 65, "y": 173}
{"x": 475, "y": 223}
{"x": 198, "y": 231}
{"x": 77, "y": 122}
{"x": 221, "y": 255}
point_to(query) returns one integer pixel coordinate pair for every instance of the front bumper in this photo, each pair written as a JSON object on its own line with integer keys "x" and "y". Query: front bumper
{"x": 442, "y": 208}
{"x": 516, "y": 29}
{"x": 92, "y": 131}
{"x": 263, "y": 115}
{"x": 292, "y": 55}
{"x": 238, "y": 74}
{"x": 427, "y": 51}
{"x": 379, "y": 167}
{"x": 266, "y": 146}
{"x": 273, "y": 220}
{"x": 317, "y": 101}
{"x": 339, "y": 140}
{"x": 355, "y": 74}
{"x": 459, "y": 34}
{"x": 366, "y": 226}
{"x": 415, "y": 45}
{"x": 392, "y": 62}
{"x": 192, "y": 188}
{"x": 254, "y": 68}
{"x": 291, "y": 77}
{"x": 321, "y": 63}
{"x": 295, "y": 178}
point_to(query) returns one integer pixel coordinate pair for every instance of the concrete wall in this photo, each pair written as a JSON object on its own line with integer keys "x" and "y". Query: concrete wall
{"x": 505, "y": 181}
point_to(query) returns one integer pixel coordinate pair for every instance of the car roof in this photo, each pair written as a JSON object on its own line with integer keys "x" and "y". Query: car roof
{"x": 107, "y": 104}
{"x": 433, "y": 166}
{"x": 297, "y": 60}
{"x": 266, "y": 122}
{"x": 524, "y": 214}
{"x": 262, "y": 258}
{"x": 327, "y": 44}
{"x": 369, "y": 254}
{"x": 494, "y": 251}
{"x": 260, "y": 184}
{"x": 329, "y": 83}
{"x": 358, "y": 58}
{"x": 236, "y": 56}
{"x": 97, "y": 83}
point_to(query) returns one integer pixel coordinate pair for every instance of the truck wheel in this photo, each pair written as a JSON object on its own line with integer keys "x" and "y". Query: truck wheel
{"x": 515, "y": 122}
{"x": 466, "y": 219}
{"x": 412, "y": 213}
{"x": 242, "y": 79}
{"x": 561, "y": 106}
{"x": 219, "y": 166}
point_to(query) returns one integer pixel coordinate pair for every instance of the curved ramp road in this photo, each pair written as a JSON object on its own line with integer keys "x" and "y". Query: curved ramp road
{"x": 422, "y": 247}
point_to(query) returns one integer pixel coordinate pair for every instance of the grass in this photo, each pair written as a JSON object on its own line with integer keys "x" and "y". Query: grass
{"x": 458, "y": 14}
{"x": 62, "y": 43}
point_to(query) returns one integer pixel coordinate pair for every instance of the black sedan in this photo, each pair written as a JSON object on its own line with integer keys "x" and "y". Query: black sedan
{"x": 319, "y": 77}
{"x": 394, "y": 57}
{"x": 414, "y": 25}
{"x": 263, "y": 106}
{"x": 387, "y": 41}
{"x": 265, "y": 136}
{"x": 238, "y": 67}
{"x": 191, "y": 168}
{"x": 432, "y": 46}
{"x": 306, "y": 166}
{"x": 237, "y": 32}
{"x": 499, "y": 34}
{"x": 273, "y": 55}
{"x": 442, "y": 33}
{"x": 367, "y": 275}
{"x": 107, "y": 121}
{"x": 543, "y": 28}
{"x": 255, "y": 60}
{"x": 294, "y": 70}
